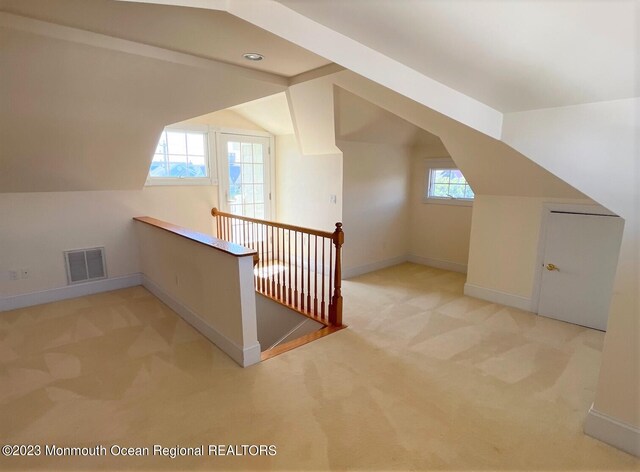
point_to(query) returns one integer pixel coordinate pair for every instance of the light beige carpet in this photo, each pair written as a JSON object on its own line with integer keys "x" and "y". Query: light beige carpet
{"x": 424, "y": 379}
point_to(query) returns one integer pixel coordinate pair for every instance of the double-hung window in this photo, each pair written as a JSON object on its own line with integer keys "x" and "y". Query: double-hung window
{"x": 446, "y": 184}
{"x": 182, "y": 157}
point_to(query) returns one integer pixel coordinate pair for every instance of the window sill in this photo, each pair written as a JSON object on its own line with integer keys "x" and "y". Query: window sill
{"x": 179, "y": 182}
{"x": 448, "y": 201}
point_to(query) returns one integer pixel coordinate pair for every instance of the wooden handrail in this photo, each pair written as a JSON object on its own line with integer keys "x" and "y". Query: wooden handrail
{"x": 201, "y": 238}
{"x": 316, "y": 232}
{"x": 285, "y": 272}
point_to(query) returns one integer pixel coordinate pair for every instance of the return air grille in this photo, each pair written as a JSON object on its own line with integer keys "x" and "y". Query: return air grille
{"x": 85, "y": 264}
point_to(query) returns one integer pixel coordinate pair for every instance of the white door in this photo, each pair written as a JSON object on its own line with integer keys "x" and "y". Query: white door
{"x": 245, "y": 179}
{"x": 579, "y": 265}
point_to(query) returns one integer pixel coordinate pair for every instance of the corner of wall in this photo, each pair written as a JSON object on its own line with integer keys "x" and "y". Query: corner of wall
{"x": 611, "y": 431}
{"x": 496, "y": 296}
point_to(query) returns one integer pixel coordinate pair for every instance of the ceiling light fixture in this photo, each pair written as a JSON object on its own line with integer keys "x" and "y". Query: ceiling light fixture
{"x": 253, "y": 56}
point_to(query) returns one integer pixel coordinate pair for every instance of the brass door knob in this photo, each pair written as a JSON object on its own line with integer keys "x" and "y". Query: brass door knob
{"x": 552, "y": 267}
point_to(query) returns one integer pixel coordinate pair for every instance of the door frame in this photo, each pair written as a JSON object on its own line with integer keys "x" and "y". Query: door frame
{"x": 271, "y": 168}
{"x": 547, "y": 209}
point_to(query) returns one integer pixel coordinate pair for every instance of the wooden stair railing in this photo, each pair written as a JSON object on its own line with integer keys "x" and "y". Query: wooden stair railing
{"x": 297, "y": 267}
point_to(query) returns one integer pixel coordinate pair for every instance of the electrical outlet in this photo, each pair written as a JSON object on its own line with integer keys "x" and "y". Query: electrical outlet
{"x": 333, "y": 198}
{"x": 13, "y": 275}
{"x": 25, "y": 273}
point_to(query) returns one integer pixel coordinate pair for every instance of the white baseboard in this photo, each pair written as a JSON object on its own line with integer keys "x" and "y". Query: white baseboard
{"x": 244, "y": 356}
{"x": 497, "y": 296}
{"x": 611, "y": 431}
{"x": 356, "y": 271}
{"x": 70, "y": 291}
{"x": 438, "y": 263}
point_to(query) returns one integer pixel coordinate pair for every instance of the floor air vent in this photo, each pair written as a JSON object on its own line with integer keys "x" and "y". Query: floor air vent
{"x": 85, "y": 264}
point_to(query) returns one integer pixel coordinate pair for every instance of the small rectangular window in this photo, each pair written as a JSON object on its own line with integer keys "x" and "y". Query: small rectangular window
{"x": 447, "y": 185}
{"x": 181, "y": 158}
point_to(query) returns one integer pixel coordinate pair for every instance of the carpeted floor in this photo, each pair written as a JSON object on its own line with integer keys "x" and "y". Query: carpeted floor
{"x": 424, "y": 378}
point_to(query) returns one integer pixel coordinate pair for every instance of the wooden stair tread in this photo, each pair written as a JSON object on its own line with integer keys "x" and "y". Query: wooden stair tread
{"x": 301, "y": 341}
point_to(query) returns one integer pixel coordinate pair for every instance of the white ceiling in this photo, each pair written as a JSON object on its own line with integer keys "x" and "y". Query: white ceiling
{"x": 358, "y": 120}
{"x": 205, "y": 33}
{"x": 510, "y": 55}
{"x": 270, "y": 113}
{"x": 98, "y": 111}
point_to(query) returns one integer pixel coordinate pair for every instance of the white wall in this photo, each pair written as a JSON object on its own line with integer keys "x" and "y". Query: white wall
{"x": 211, "y": 289}
{"x": 489, "y": 164}
{"x": 505, "y": 235}
{"x": 384, "y": 183}
{"x": 440, "y": 233}
{"x": 38, "y": 227}
{"x": 312, "y": 112}
{"x": 83, "y": 114}
{"x": 376, "y": 205}
{"x": 595, "y": 148}
{"x": 304, "y": 185}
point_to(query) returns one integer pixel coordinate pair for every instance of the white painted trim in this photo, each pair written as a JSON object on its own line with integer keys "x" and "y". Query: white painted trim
{"x": 89, "y": 38}
{"x": 496, "y": 296}
{"x": 612, "y": 431}
{"x": 179, "y": 182}
{"x": 586, "y": 208}
{"x": 243, "y": 356}
{"x": 210, "y": 4}
{"x": 248, "y": 312}
{"x": 441, "y": 163}
{"x": 438, "y": 263}
{"x": 317, "y": 73}
{"x": 426, "y": 261}
{"x": 212, "y": 161}
{"x": 223, "y": 167}
{"x": 71, "y": 291}
{"x": 364, "y": 269}
{"x": 242, "y": 132}
{"x": 448, "y": 201}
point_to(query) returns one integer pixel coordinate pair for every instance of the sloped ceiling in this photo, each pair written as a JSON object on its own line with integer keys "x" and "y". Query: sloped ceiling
{"x": 204, "y": 33}
{"x": 362, "y": 121}
{"x": 491, "y": 166}
{"x": 353, "y": 55}
{"x": 511, "y": 55}
{"x": 270, "y": 113}
{"x": 75, "y": 116}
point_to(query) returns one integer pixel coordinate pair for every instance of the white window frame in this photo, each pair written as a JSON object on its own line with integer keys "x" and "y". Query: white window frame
{"x": 221, "y": 156}
{"x": 211, "y": 160}
{"x": 444, "y": 163}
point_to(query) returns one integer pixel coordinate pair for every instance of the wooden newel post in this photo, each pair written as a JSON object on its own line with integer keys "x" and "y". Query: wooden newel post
{"x": 335, "y": 313}
{"x": 214, "y": 213}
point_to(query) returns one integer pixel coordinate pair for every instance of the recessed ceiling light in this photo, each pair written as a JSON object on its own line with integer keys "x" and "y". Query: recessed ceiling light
{"x": 253, "y": 56}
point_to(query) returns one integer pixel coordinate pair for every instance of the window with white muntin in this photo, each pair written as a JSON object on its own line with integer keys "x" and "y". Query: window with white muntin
{"x": 446, "y": 184}
{"x": 182, "y": 157}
